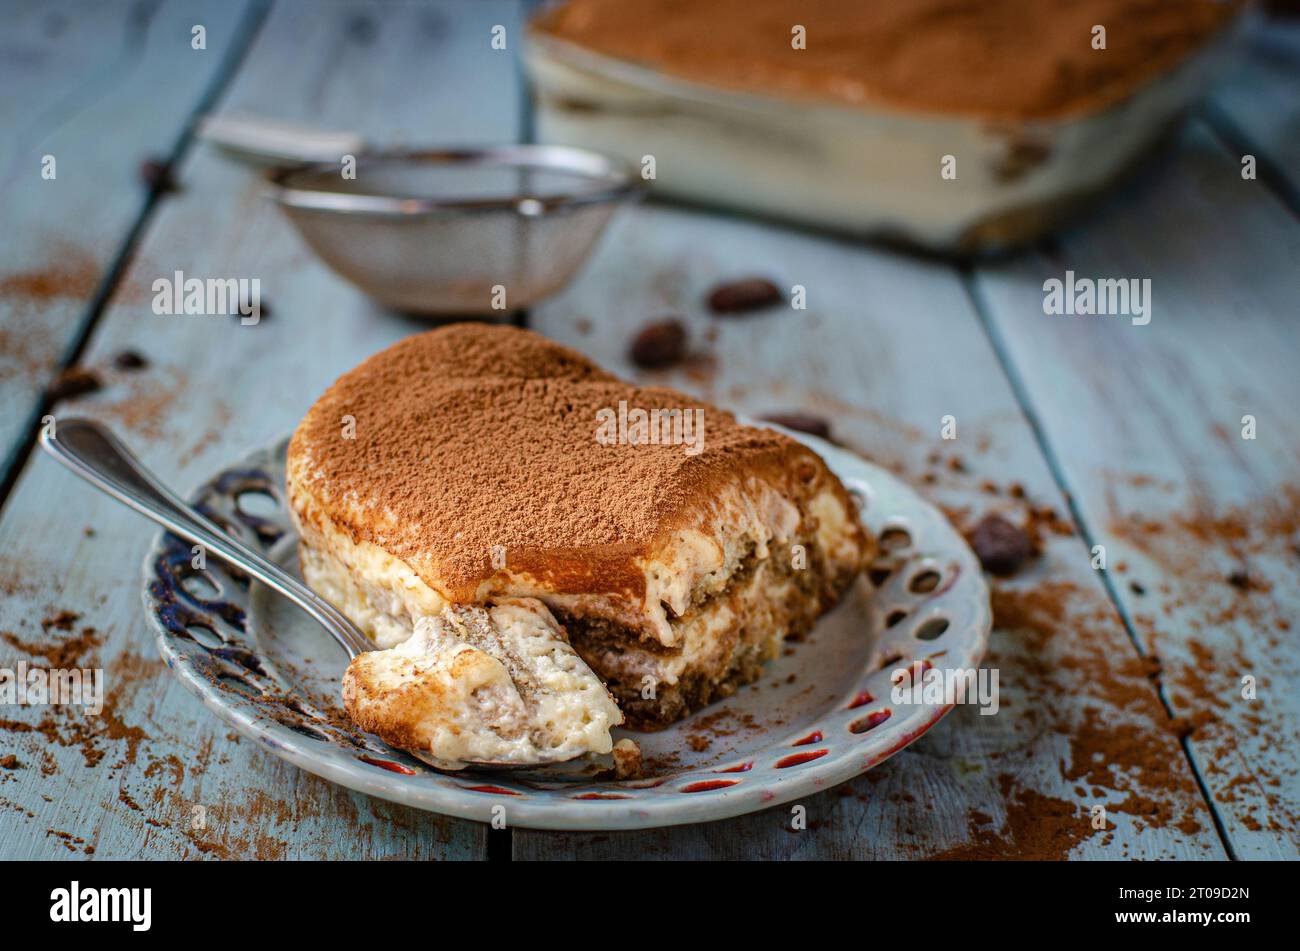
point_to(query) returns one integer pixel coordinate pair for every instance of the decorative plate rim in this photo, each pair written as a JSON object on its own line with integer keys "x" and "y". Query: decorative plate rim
{"x": 699, "y": 794}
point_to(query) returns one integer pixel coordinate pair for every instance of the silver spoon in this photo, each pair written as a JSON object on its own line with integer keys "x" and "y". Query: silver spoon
{"x": 95, "y": 454}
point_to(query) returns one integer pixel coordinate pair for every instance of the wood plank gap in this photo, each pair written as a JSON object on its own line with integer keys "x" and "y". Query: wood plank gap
{"x": 1237, "y": 141}
{"x": 527, "y": 120}
{"x": 1089, "y": 538}
{"x": 12, "y": 467}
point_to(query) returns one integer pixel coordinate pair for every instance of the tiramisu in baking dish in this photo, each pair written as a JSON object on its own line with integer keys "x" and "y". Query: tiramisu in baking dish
{"x": 953, "y": 124}
{"x": 512, "y": 504}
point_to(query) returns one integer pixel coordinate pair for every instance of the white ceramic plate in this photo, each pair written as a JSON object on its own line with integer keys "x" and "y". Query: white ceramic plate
{"x": 821, "y": 714}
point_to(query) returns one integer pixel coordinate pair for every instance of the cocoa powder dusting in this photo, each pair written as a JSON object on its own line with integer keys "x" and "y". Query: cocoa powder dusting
{"x": 500, "y": 426}
{"x": 1001, "y": 58}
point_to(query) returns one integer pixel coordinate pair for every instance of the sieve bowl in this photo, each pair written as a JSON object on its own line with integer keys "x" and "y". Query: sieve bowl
{"x": 456, "y": 231}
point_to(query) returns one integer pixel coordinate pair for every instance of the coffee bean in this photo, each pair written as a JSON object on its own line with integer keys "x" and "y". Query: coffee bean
{"x": 803, "y": 422}
{"x": 71, "y": 383}
{"x": 1002, "y": 548}
{"x": 157, "y": 174}
{"x": 740, "y": 297}
{"x": 659, "y": 345}
{"x": 130, "y": 360}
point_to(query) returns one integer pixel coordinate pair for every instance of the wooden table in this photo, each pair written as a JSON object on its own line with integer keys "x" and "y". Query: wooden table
{"x": 1121, "y": 688}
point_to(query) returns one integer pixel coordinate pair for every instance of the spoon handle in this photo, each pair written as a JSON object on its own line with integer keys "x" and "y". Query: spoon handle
{"x": 95, "y": 454}
{"x": 261, "y": 140}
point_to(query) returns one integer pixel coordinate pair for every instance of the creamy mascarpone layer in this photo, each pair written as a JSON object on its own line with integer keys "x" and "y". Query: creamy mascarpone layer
{"x": 384, "y": 596}
{"x": 498, "y": 685}
{"x": 709, "y": 638}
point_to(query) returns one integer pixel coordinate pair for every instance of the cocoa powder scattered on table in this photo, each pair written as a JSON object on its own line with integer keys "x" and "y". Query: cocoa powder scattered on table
{"x": 59, "y": 652}
{"x": 67, "y": 725}
{"x": 73, "y": 274}
{"x": 1057, "y": 639}
{"x": 60, "y": 620}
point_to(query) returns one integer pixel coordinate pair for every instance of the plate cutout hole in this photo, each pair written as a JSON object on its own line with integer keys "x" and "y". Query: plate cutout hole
{"x": 861, "y": 700}
{"x": 708, "y": 784}
{"x": 895, "y": 538}
{"x": 388, "y": 765}
{"x": 304, "y": 729}
{"x": 932, "y": 629}
{"x": 910, "y": 674}
{"x": 894, "y": 616}
{"x": 205, "y": 636}
{"x": 890, "y": 659}
{"x": 199, "y": 584}
{"x": 239, "y": 685}
{"x": 870, "y": 721}
{"x": 924, "y": 582}
{"x": 798, "y": 759}
{"x": 257, "y": 502}
{"x": 744, "y": 767}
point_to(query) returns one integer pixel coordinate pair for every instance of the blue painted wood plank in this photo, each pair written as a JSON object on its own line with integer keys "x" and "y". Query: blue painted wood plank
{"x": 1146, "y": 426}
{"x": 98, "y": 87}
{"x": 214, "y": 388}
{"x": 1257, "y": 106}
{"x": 887, "y": 347}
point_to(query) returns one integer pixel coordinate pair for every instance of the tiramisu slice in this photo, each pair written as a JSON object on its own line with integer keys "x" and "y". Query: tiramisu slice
{"x": 476, "y": 463}
{"x": 483, "y": 685}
